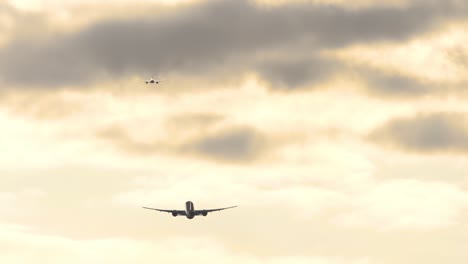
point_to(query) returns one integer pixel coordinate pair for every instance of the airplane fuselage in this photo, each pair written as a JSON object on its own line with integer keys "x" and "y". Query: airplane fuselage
{"x": 189, "y": 210}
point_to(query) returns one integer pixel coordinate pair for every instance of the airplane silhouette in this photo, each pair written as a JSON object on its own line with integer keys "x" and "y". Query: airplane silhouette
{"x": 189, "y": 211}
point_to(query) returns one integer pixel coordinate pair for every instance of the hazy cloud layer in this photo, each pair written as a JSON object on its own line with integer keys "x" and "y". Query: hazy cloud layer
{"x": 198, "y": 120}
{"x": 240, "y": 144}
{"x": 295, "y": 73}
{"x": 122, "y": 140}
{"x": 426, "y": 133}
{"x": 207, "y": 36}
{"x": 232, "y": 144}
{"x": 101, "y": 186}
{"x": 77, "y": 165}
{"x": 460, "y": 56}
{"x": 408, "y": 205}
{"x": 24, "y": 245}
{"x": 394, "y": 85}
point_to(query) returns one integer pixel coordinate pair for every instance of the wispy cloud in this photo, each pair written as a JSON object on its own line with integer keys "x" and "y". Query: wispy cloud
{"x": 231, "y": 144}
{"x": 436, "y": 132}
{"x": 407, "y": 205}
{"x": 234, "y": 144}
{"x": 194, "y": 39}
{"x": 300, "y": 113}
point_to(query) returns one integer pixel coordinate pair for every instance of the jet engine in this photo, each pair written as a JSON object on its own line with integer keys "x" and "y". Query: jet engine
{"x": 174, "y": 214}
{"x": 204, "y": 213}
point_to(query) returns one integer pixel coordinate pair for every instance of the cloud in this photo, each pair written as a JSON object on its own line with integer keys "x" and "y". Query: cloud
{"x": 431, "y": 62}
{"x": 26, "y": 246}
{"x": 40, "y": 106}
{"x": 407, "y": 205}
{"x": 295, "y": 72}
{"x": 15, "y": 24}
{"x": 15, "y": 202}
{"x": 201, "y": 38}
{"x": 436, "y": 132}
{"x": 394, "y": 85}
{"x": 459, "y": 55}
{"x": 241, "y": 144}
{"x": 7, "y": 199}
{"x": 195, "y": 119}
{"x": 230, "y": 144}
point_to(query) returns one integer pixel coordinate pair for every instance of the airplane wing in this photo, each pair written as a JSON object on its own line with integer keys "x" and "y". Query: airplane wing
{"x": 179, "y": 212}
{"x": 205, "y": 211}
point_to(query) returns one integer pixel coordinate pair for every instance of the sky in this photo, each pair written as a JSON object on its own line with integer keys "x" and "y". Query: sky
{"x": 339, "y": 128}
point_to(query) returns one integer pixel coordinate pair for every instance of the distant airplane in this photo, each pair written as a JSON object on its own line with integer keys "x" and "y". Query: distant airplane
{"x": 189, "y": 211}
{"x": 152, "y": 81}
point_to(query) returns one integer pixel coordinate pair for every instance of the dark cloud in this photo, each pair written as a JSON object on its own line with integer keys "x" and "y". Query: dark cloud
{"x": 231, "y": 145}
{"x": 208, "y": 36}
{"x": 194, "y": 120}
{"x": 400, "y": 86}
{"x": 459, "y": 55}
{"x": 295, "y": 73}
{"x": 395, "y": 85}
{"x": 241, "y": 144}
{"x": 426, "y": 133}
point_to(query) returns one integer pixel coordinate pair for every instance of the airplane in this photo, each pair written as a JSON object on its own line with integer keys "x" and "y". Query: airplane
{"x": 152, "y": 81}
{"x": 189, "y": 211}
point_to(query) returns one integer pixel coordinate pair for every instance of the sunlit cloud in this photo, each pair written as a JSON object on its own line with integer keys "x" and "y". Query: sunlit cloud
{"x": 184, "y": 42}
{"x": 436, "y": 58}
{"x": 337, "y": 127}
{"x": 430, "y": 133}
{"x": 26, "y": 246}
{"x": 407, "y": 205}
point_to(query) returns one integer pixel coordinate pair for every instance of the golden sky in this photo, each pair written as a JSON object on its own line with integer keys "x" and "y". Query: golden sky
{"x": 340, "y": 129}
